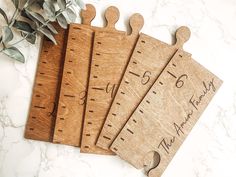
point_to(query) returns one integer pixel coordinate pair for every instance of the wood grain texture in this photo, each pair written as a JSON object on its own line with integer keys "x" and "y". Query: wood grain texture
{"x": 71, "y": 106}
{"x": 148, "y": 60}
{"x": 43, "y": 107}
{"x": 112, "y": 50}
{"x": 166, "y": 115}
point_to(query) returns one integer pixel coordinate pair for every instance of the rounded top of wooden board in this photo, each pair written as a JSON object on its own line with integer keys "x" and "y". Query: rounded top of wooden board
{"x": 182, "y": 35}
{"x": 88, "y": 14}
{"x": 112, "y": 15}
{"x": 136, "y": 23}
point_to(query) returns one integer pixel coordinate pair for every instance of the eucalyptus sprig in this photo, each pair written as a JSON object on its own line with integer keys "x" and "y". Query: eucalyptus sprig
{"x": 33, "y": 17}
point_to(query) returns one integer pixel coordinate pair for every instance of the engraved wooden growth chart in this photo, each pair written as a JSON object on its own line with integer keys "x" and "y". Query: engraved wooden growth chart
{"x": 68, "y": 128}
{"x": 43, "y": 107}
{"x": 148, "y": 60}
{"x": 111, "y": 53}
{"x": 166, "y": 114}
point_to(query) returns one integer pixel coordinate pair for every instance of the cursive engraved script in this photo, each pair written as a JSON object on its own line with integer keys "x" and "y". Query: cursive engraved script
{"x": 195, "y": 102}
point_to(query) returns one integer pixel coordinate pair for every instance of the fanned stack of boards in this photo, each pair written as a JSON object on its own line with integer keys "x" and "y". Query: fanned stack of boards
{"x": 109, "y": 92}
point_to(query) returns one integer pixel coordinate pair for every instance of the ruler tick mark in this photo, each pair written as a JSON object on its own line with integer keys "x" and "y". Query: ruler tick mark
{"x": 171, "y": 74}
{"x": 62, "y": 118}
{"x": 122, "y": 93}
{"x": 98, "y": 54}
{"x": 88, "y": 135}
{"x": 141, "y": 111}
{"x": 113, "y": 114}
{"x": 122, "y": 139}
{"x": 44, "y": 62}
{"x": 126, "y": 82}
{"x": 68, "y": 72}
{"x": 109, "y": 125}
{"x": 60, "y": 130}
{"x": 143, "y": 41}
{"x": 115, "y": 149}
{"x": 73, "y": 38}
{"x": 40, "y": 84}
{"x": 77, "y": 28}
{"x": 134, "y": 121}
{"x": 72, "y": 50}
{"x": 180, "y": 55}
{"x": 106, "y": 137}
{"x": 95, "y": 77}
{"x": 174, "y": 64}
{"x": 92, "y": 99}
{"x": 139, "y": 51}
{"x": 70, "y": 61}
{"x": 99, "y": 43}
{"x": 161, "y": 83}
{"x": 96, "y": 88}
{"x": 96, "y": 65}
{"x": 40, "y": 107}
{"x": 71, "y": 96}
{"x": 148, "y": 101}
{"x": 31, "y": 128}
{"x": 87, "y": 147}
{"x": 134, "y": 73}
{"x": 90, "y": 123}
{"x": 118, "y": 103}
{"x": 130, "y": 131}
{"x": 67, "y": 84}
{"x": 154, "y": 92}
{"x": 91, "y": 111}
{"x": 134, "y": 62}
{"x": 37, "y": 95}
{"x": 33, "y": 117}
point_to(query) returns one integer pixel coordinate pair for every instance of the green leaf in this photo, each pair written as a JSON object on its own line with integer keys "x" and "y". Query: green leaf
{"x": 61, "y": 4}
{"x": 71, "y": 14}
{"x": 81, "y": 4}
{"x": 31, "y": 38}
{"x": 16, "y": 3}
{"x": 4, "y": 15}
{"x": 7, "y": 34}
{"x": 49, "y": 10}
{"x": 23, "y": 26}
{"x": 62, "y": 21}
{"x": 14, "y": 53}
{"x": 48, "y": 34}
{"x": 37, "y": 16}
{"x": 52, "y": 29}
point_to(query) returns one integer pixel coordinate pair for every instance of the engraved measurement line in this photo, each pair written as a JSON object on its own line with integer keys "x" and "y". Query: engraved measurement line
{"x": 130, "y": 131}
{"x": 70, "y": 96}
{"x": 171, "y": 74}
{"x": 96, "y": 88}
{"x": 106, "y": 137}
{"x": 135, "y": 74}
{"x": 40, "y": 107}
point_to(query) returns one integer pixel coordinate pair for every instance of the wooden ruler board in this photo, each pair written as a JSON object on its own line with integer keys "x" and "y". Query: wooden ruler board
{"x": 71, "y": 105}
{"x": 167, "y": 114}
{"x": 148, "y": 60}
{"x": 111, "y": 53}
{"x": 42, "y": 112}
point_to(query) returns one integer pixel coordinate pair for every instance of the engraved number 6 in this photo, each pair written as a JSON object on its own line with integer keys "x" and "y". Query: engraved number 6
{"x": 180, "y": 83}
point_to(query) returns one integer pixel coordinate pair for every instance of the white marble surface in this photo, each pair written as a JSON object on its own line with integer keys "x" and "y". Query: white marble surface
{"x": 209, "y": 151}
